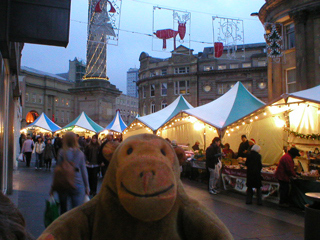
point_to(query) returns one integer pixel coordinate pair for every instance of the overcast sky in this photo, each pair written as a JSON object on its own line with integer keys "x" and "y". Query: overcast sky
{"x": 137, "y": 16}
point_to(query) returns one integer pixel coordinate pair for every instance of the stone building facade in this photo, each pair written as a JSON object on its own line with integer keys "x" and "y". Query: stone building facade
{"x": 299, "y": 68}
{"x": 128, "y": 106}
{"x": 201, "y": 78}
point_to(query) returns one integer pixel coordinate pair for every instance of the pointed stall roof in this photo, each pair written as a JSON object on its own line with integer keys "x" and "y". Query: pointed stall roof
{"x": 157, "y": 119}
{"x": 311, "y": 94}
{"x": 83, "y": 121}
{"x": 44, "y": 122}
{"x": 117, "y": 124}
{"x": 237, "y": 103}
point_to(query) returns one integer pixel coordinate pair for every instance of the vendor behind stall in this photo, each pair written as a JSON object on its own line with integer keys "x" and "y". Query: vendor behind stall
{"x": 244, "y": 146}
{"x": 227, "y": 151}
{"x": 196, "y": 147}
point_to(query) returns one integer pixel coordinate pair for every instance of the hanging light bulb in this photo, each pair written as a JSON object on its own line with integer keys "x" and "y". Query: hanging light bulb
{"x": 228, "y": 134}
{"x": 251, "y": 120}
{"x": 243, "y": 123}
{"x": 264, "y": 113}
{"x": 256, "y": 117}
{"x": 232, "y": 130}
{"x": 237, "y": 127}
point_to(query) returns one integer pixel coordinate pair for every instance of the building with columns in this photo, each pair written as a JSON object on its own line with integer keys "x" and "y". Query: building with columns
{"x": 299, "y": 68}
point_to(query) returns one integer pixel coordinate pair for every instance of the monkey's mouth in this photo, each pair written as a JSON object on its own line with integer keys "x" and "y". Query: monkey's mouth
{"x": 147, "y": 195}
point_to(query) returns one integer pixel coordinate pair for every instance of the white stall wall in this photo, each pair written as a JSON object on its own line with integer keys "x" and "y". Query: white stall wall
{"x": 134, "y": 132}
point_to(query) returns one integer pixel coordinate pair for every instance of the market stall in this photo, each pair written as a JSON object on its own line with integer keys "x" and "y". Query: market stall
{"x": 42, "y": 124}
{"x": 116, "y": 126}
{"x": 152, "y": 122}
{"x": 82, "y": 125}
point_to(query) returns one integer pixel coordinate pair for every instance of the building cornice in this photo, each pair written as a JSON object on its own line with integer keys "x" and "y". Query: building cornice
{"x": 236, "y": 70}
{"x": 165, "y": 76}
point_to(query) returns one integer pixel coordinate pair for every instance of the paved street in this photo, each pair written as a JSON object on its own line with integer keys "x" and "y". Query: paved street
{"x": 244, "y": 221}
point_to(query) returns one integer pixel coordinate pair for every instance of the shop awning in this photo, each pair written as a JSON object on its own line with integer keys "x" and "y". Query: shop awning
{"x": 155, "y": 120}
{"x": 117, "y": 124}
{"x": 83, "y": 121}
{"x": 45, "y": 123}
{"x": 237, "y": 103}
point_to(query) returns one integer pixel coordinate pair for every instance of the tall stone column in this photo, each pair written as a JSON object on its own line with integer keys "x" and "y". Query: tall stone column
{"x": 300, "y": 21}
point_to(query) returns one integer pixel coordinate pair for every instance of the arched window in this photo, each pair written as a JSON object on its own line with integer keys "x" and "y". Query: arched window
{"x": 145, "y": 109}
{"x": 164, "y": 104}
{"x": 152, "y": 107}
{"x": 31, "y": 116}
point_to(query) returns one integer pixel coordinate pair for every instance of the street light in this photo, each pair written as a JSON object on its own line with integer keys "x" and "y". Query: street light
{"x": 254, "y": 14}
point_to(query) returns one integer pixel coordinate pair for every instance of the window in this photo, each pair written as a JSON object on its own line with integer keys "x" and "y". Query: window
{"x": 62, "y": 116}
{"x": 234, "y": 65}
{"x": 62, "y": 102}
{"x": 57, "y": 115}
{"x": 181, "y": 87}
{"x": 144, "y": 93}
{"x": 224, "y": 87}
{"x": 164, "y": 89}
{"x": 34, "y": 98}
{"x": 222, "y": 67}
{"x": 27, "y": 97}
{"x": 67, "y": 103}
{"x": 57, "y": 101}
{"x": 152, "y": 107}
{"x": 246, "y": 65}
{"x": 262, "y": 63}
{"x": 152, "y": 90}
{"x": 144, "y": 109}
{"x": 181, "y": 70}
{"x": 152, "y": 74}
{"x": 290, "y": 36}
{"x": 262, "y": 85}
{"x": 164, "y": 104}
{"x": 164, "y": 71}
{"x": 40, "y": 99}
{"x": 291, "y": 80}
{"x": 207, "y": 68}
{"x": 68, "y": 117}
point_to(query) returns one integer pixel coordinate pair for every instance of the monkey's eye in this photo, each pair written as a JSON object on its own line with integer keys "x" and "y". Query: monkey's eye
{"x": 129, "y": 151}
{"x": 163, "y": 152}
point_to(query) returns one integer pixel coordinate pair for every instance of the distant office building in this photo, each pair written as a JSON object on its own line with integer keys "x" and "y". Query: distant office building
{"x": 77, "y": 69}
{"x": 132, "y": 78}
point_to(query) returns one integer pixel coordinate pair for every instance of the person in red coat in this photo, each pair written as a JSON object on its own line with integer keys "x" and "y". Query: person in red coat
{"x": 284, "y": 172}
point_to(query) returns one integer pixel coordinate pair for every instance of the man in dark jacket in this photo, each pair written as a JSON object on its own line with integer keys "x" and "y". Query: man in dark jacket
{"x": 57, "y": 143}
{"x": 244, "y": 146}
{"x": 213, "y": 155}
{"x": 284, "y": 172}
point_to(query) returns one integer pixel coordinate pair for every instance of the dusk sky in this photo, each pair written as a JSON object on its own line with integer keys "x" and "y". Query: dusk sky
{"x": 137, "y": 16}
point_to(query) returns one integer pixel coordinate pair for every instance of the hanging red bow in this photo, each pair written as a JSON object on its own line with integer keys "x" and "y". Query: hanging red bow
{"x": 99, "y": 10}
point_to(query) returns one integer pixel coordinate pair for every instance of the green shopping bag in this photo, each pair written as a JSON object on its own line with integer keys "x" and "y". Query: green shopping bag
{"x": 51, "y": 212}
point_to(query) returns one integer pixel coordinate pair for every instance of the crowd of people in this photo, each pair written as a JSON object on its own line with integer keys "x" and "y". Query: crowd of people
{"x": 90, "y": 157}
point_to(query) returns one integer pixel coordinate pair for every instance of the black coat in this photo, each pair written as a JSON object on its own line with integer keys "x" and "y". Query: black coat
{"x": 213, "y": 153}
{"x": 254, "y": 167}
{"x": 243, "y": 146}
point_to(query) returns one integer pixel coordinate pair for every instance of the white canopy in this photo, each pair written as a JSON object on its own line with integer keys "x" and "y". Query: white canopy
{"x": 155, "y": 120}
{"x": 237, "y": 103}
{"x": 311, "y": 94}
{"x": 44, "y": 123}
{"x": 117, "y": 124}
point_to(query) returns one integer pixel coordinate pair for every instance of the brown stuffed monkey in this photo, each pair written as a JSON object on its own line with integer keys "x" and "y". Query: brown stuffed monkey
{"x": 141, "y": 197}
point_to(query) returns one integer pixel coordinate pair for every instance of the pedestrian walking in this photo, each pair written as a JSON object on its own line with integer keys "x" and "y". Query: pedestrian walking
{"x": 71, "y": 153}
{"x": 102, "y": 157}
{"x": 38, "y": 150}
{"x": 254, "y": 177}
{"x": 93, "y": 165}
{"x": 27, "y": 149}
{"x": 48, "y": 154}
{"x": 285, "y": 171}
{"x": 57, "y": 143}
{"x": 213, "y": 156}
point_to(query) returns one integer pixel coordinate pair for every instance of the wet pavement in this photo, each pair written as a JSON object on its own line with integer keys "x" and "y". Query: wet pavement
{"x": 31, "y": 189}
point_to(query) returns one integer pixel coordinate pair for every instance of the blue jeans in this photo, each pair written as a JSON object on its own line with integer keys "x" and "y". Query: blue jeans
{"x": 76, "y": 196}
{"x": 39, "y": 160}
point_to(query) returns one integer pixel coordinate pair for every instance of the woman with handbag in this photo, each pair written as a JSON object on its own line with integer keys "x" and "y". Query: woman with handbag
{"x": 27, "y": 149}
{"x": 75, "y": 157}
{"x": 38, "y": 150}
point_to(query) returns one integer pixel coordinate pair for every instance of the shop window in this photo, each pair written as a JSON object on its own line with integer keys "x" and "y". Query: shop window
{"x": 27, "y": 97}
{"x": 181, "y": 87}
{"x": 145, "y": 109}
{"x": 62, "y": 102}
{"x": 67, "y": 103}
{"x": 222, "y": 67}
{"x": 40, "y": 99}
{"x": 152, "y": 90}
{"x": 246, "y": 65}
{"x": 291, "y": 80}
{"x": 152, "y": 107}
{"x": 164, "y": 89}
{"x": 68, "y": 117}
{"x": 181, "y": 70}
{"x": 234, "y": 65}
{"x": 164, "y": 104}
{"x": 290, "y": 40}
